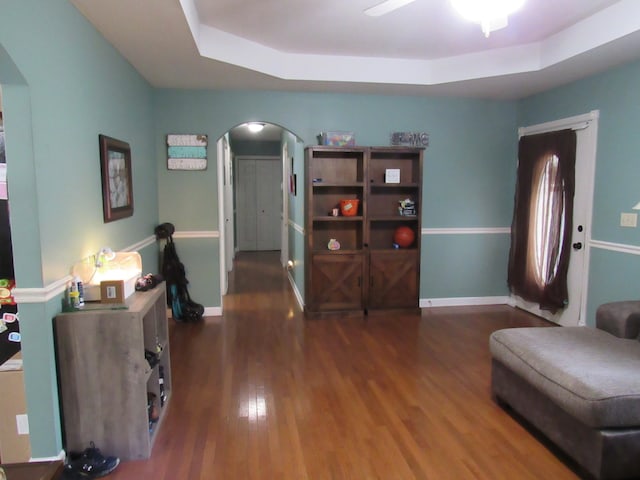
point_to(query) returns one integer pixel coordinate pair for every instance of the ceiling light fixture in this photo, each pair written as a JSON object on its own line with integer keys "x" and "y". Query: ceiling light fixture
{"x": 386, "y": 7}
{"x": 490, "y": 14}
{"x": 255, "y": 127}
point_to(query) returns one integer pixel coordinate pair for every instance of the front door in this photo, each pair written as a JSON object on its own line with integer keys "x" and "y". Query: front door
{"x": 586, "y": 127}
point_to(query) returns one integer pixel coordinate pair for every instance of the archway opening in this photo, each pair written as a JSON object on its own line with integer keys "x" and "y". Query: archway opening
{"x": 260, "y": 194}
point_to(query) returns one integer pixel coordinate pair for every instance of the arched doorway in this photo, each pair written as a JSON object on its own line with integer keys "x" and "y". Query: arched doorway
{"x": 268, "y": 158}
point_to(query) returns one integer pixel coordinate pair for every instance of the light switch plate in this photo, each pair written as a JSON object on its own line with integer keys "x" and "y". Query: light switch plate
{"x": 629, "y": 220}
{"x": 22, "y": 424}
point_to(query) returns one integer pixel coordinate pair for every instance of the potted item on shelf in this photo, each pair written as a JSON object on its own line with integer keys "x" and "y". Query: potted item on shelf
{"x": 349, "y": 208}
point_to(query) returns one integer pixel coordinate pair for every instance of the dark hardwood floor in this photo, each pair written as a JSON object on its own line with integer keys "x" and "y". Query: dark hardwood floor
{"x": 263, "y": 393}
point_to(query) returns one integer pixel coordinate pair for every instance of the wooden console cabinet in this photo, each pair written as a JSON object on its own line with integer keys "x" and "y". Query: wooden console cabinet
{"x": 368, "y": 272}
{"x": 105, "y": 379}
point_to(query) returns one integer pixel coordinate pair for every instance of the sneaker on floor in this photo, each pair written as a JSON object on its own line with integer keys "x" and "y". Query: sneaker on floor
{"x": 90, "y": 464}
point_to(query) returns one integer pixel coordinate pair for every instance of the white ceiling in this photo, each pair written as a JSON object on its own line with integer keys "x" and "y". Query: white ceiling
{"x": 331, "y": 46}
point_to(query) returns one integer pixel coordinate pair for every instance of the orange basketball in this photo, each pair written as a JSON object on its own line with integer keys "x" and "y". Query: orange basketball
{"x": 404, "y": 236}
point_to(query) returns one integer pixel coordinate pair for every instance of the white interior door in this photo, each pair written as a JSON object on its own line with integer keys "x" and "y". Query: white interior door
{"x": 269, "y": 204}
{"x": 259, "y": 204}
{"x": 586, "y": 127}
{"x": 246, "y": 199}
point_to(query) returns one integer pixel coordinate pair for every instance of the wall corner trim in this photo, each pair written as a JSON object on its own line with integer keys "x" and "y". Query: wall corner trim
{"x": 140, "y": 245}
{"x": 466, "y": 231}
{"x": 41, "y": 295}
{"x": 197, "y": 234}
{"x": 615, "y": 247}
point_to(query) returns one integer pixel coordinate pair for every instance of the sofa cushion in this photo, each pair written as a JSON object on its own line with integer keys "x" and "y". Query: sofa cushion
{"x": 589, "y": 373}
{"x": 621, "y": 319}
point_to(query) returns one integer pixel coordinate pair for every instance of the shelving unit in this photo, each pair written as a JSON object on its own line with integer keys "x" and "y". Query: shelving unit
{"x": 394, "y": 273}
{"x": 367, "y": 272}
{"x": 334, "y": 279}
{"x": 105, "y": 379}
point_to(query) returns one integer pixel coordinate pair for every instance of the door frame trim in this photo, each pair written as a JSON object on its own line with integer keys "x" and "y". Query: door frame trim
{"x": 577, "y": 122}
{"x": 222, "y": 254}
{"x": 284, "y": 215}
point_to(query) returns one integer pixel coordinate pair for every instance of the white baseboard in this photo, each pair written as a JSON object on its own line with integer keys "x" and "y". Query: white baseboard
{"x": 296, "y": 292}
{"x": 212, "y": 311}
{"x": 463, "y": 301}
{"x": 61, "y": 456}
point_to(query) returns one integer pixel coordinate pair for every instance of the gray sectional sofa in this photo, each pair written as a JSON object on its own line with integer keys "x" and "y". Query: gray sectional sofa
{"x": 579, "y": 386}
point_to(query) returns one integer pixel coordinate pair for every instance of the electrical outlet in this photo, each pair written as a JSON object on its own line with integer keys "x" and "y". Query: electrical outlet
{"x": 629, "y": 220}
{"x": 22, "y": 423}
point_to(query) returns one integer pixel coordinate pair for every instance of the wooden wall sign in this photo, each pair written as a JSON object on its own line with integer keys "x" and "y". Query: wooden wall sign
{"x": 186, "y": 152}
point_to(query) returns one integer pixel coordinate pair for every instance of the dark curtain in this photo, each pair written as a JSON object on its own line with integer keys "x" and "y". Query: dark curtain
{"x": 542, "y": 219}
{"x": 6, "y": 252}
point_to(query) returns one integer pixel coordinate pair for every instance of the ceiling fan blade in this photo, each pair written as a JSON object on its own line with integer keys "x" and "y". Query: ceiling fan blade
{"x": 386, "y": 7}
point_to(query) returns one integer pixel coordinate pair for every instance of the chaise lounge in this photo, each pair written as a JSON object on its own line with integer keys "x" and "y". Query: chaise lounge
{"x": 579, "y": 386}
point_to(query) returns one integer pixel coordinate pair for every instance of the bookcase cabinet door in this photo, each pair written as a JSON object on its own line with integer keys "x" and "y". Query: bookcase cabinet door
{"x": 394, "y": 279}
{"x": 336, "y": 282}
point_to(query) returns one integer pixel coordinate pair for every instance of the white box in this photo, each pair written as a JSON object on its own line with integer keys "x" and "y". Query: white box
{"x": 125, "y": 266}
{"x": 392, "y": 175}
{"x": 92, "y": 291}
{"x": 15, "y": 445}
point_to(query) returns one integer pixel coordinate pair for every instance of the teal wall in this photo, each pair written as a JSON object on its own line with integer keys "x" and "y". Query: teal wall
{"x": 462, "y": 271}
{"x": 256, "y": 148}
{"x": 613, "y": 275}
{"x": 63, "y": 84}
{"x": 469, "y": 168}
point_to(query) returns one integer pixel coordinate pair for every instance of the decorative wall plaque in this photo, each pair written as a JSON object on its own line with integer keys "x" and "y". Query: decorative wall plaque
{"x": 186, "y": 152}
{"x": 410, "y": 139}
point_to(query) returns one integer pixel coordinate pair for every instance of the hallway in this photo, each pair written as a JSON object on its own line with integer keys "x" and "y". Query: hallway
{"x": 262, "y": 393}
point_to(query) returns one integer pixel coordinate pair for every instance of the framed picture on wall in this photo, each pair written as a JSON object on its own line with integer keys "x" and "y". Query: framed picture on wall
{"x": 117, "y": 184}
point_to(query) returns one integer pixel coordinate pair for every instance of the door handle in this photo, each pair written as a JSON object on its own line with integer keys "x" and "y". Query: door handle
{"x": 577, "y": 246}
